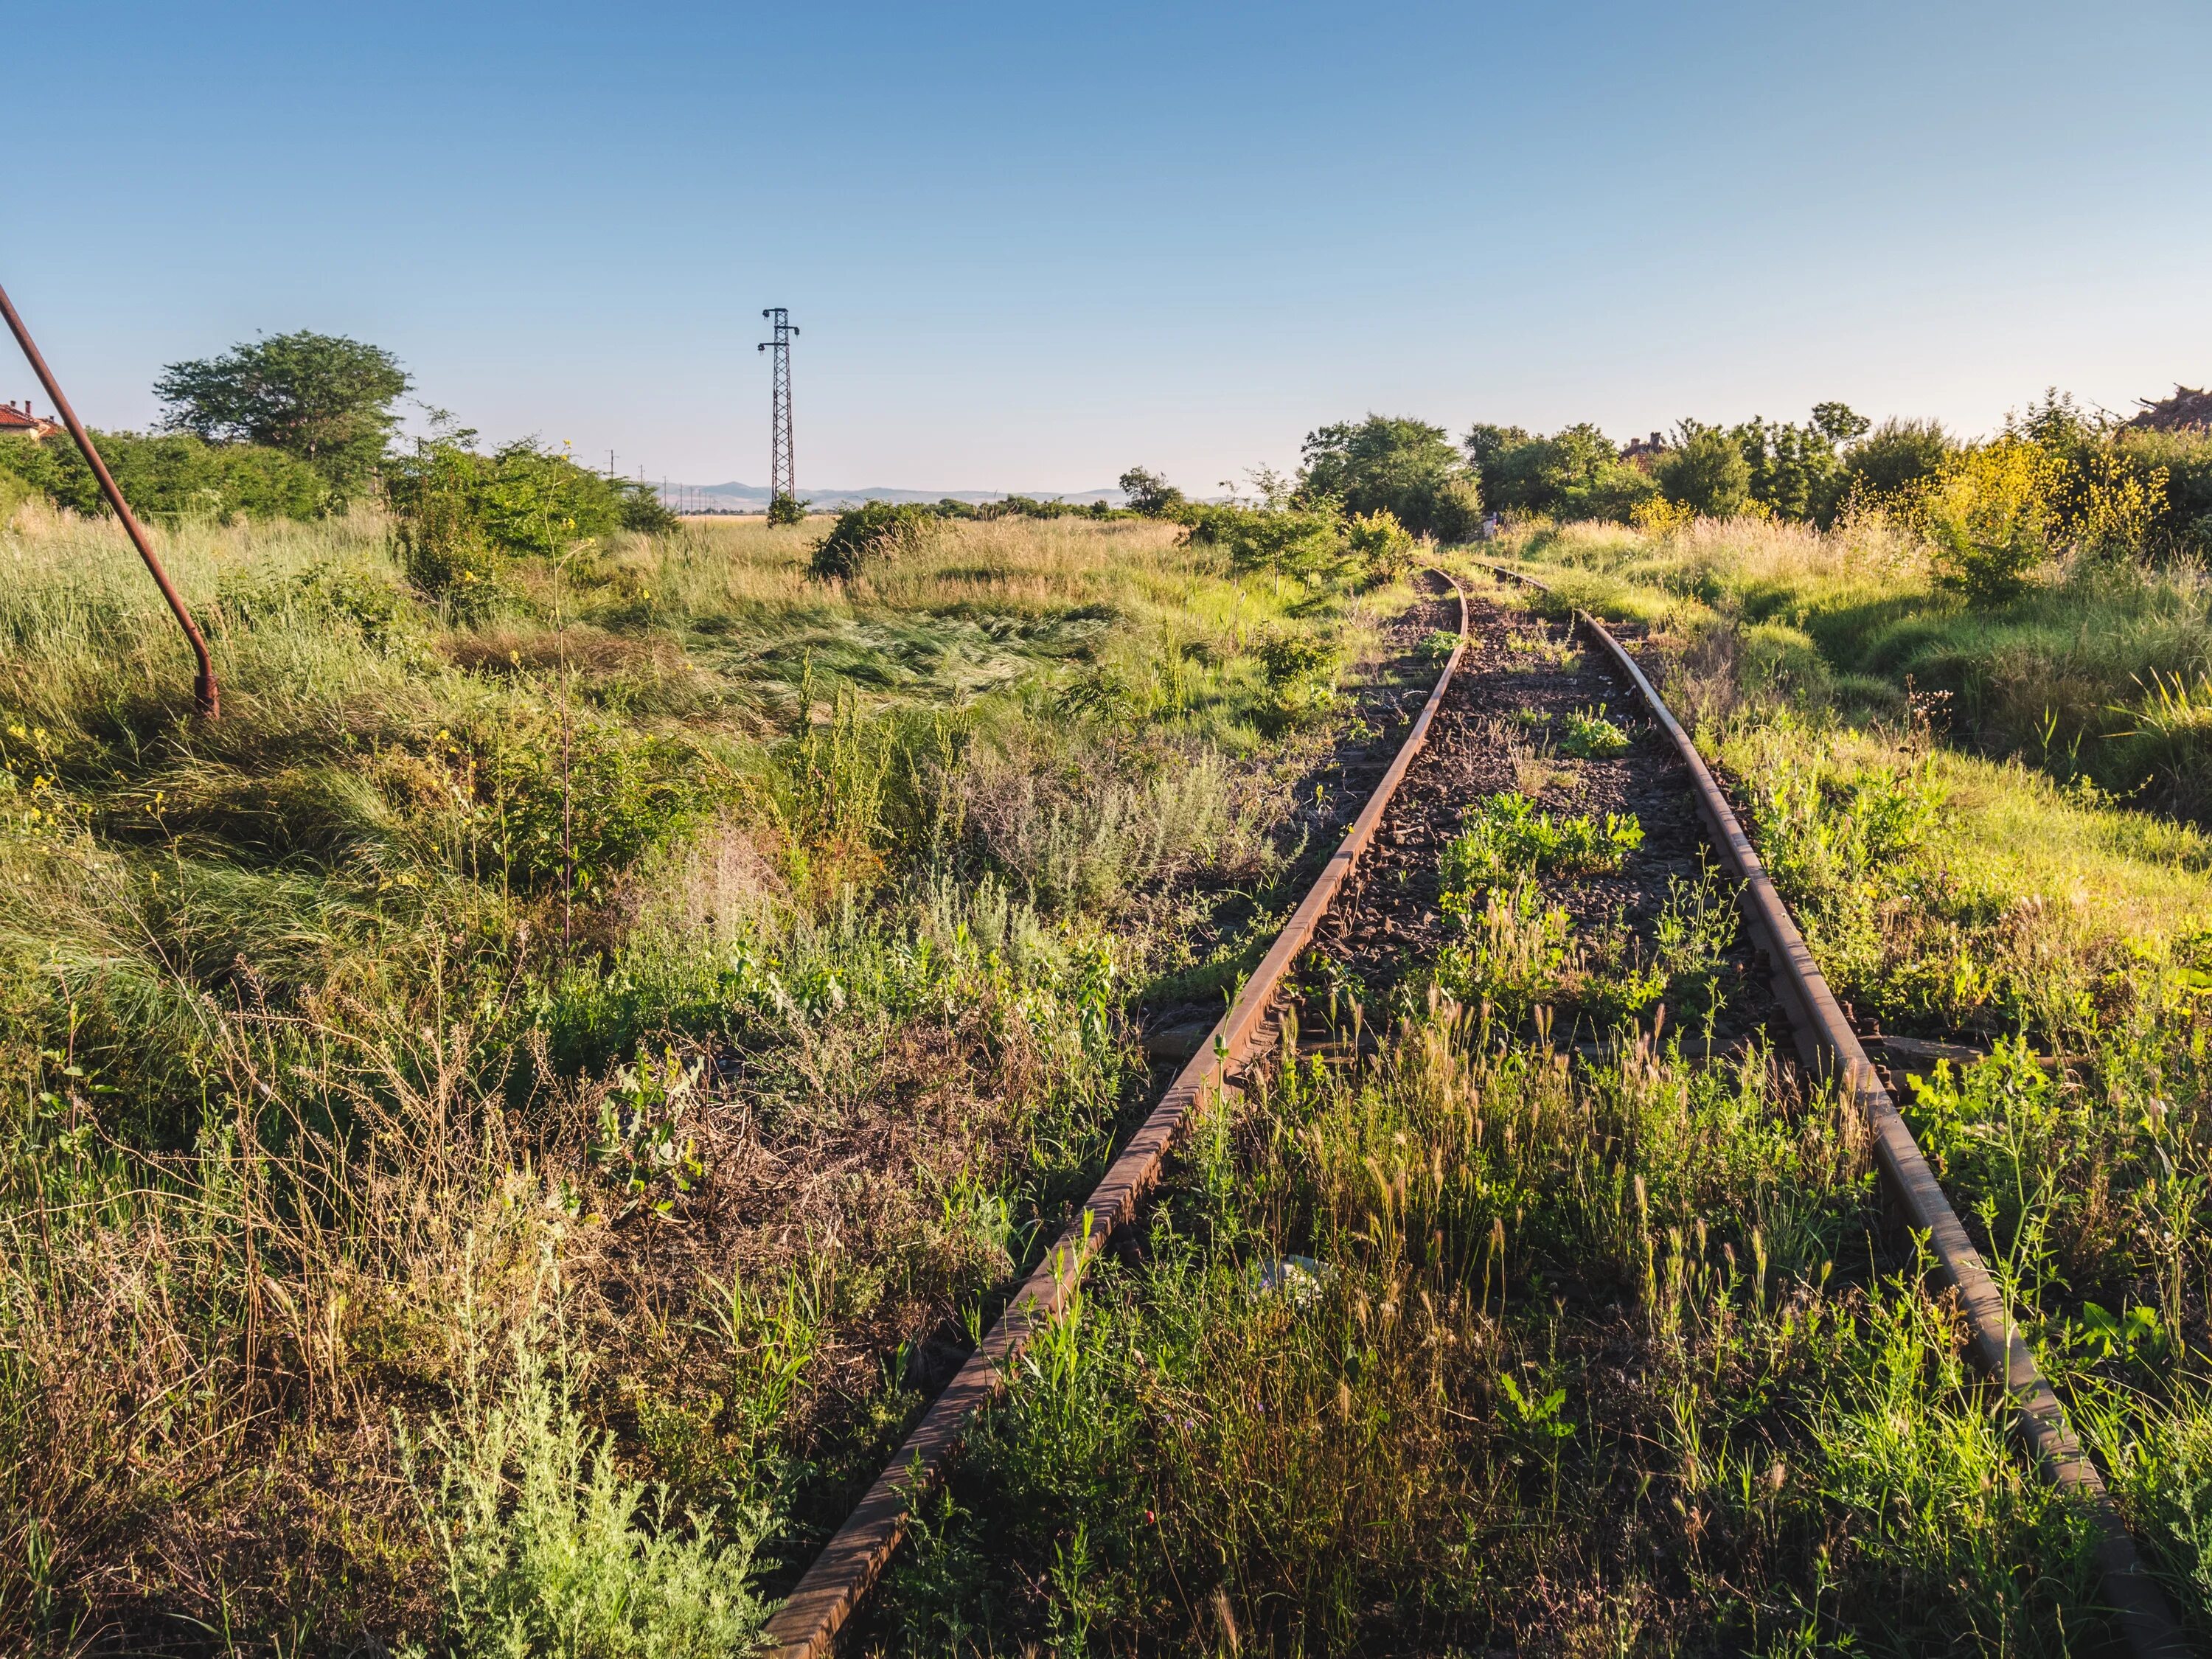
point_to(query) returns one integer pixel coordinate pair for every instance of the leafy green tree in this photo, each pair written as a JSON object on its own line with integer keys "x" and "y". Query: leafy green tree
{"x": 323, "y": 398}
{"x": 1486, "y": 446}
{"x": 1839, "y": 422}
{"x": 1575, "y": 473}
{"x": 1897, "y": 454}
{"x": 1795, "y": 470}
{"x": 642, "y": 510}
{"x": 1149, "y": 494}
{"x": 1389, "y": 464}
{"x": 1706, "y": 471}
{"x": 786, "y": 508}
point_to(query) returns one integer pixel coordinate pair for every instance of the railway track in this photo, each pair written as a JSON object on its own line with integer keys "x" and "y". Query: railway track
{"x": 1688, "y": 812}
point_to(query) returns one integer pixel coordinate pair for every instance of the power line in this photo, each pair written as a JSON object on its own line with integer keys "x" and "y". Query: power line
{"x": 782, "y": 467}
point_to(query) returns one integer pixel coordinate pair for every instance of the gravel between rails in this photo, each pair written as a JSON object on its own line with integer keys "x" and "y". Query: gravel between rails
{"x": 1387, "y": 927}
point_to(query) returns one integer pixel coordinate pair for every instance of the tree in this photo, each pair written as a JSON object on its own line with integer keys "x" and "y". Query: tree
{"x": 1706, "y": 471}
{"x": 786, "y": 508}
{"x": 1839, "y": 422}
{"x": 1795, "y": 470}
{"x": 1897, "y": 453}
{"x": 1575, "y": 473}
{"x": 1149, "y": 494}
{"x": 323, "y": 398}
{"x": 642, "y": 509}
{"x": 1485, "y": 445}
{"x": 1390, "y": 463}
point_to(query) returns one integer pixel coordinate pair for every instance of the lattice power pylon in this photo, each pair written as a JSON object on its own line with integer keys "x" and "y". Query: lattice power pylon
{"x": 782, "y": 468}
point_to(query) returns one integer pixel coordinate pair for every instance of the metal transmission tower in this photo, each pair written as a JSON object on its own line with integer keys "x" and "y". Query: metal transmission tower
{"x": 782, "y": 469}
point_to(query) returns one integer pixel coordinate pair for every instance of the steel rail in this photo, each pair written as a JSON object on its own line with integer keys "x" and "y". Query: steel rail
{"x": 807, "y": 1623}
{"x": 206, "y": 695}
{"x": 1829, "y": 1043}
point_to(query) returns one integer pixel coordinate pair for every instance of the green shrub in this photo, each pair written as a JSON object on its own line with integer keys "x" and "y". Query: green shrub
{"x": 2185, "y": 458}
{"x": 874, "y": 530}
{"x": 1384, "y": 547}
{"x": 549, "y": 1551}
{"x": 1305, "y": 541}
{"x": 1897, "y": 454}
{"x": 1287, "y": 657}
{"x": 171, "y": 478}
{"x": 577, "y": 811}
{"x": 784, "y": 508}
{"x": 459, "y": 512}
{"x": 1989, "y": 514}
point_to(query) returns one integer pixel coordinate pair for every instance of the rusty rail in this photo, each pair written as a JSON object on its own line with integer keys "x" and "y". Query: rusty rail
{"x": 207, "y": 697}
{"x": 807, "y": 1623}
{"x": 1828, "y": 1043}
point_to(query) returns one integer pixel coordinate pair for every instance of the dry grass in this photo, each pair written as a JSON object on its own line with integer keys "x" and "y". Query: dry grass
{"x": 330, "y": 1073}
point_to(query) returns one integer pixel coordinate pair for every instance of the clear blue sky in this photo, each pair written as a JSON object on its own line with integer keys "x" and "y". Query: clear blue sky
{"x": 1030, "y": 245}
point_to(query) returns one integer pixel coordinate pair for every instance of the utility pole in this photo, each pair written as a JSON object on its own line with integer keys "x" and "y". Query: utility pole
{"x": 782, "y": 469}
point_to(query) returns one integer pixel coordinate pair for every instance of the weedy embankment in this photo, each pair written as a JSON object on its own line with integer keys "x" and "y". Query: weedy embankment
{"x": 2029, "y": 917}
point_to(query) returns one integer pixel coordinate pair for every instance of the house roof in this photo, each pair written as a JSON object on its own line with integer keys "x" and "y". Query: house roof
{"x": 19, "y": 418}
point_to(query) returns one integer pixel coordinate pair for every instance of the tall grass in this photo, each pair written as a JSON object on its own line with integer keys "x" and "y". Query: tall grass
{"x": 2097, "y": 673}
{"x": 748, "y": 955}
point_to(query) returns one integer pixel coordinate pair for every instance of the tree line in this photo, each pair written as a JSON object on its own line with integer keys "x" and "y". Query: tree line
{"x": 2057, "y": 477}
{"x": 301, "y": 425}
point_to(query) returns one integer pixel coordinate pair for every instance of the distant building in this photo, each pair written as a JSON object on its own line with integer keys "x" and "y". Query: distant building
{"x": 17, "y": 421}
{"x": 1640, "y": 453}
{"x": 2188, "y": 409}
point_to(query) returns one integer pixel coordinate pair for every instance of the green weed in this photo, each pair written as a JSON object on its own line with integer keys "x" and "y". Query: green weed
{"x": 1591, "y": 736}
{"x": 1508, "y": 836}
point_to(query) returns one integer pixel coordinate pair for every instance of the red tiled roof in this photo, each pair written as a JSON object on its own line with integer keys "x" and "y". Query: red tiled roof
{"x": 14, "y": 419}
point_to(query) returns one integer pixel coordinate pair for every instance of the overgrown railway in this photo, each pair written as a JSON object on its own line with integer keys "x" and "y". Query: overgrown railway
{"x": 1374, "y": 912}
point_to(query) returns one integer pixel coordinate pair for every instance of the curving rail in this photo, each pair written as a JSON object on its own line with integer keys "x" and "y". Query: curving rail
{"x": 1828, "y": 1043}
{"x": 807, "y": 1623}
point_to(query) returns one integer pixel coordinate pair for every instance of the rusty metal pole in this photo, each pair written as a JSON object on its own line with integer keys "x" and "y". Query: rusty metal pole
{"x": 210, "y": 700}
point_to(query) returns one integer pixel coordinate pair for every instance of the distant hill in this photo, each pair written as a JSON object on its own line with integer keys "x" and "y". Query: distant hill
{"x": 754, "y": 498}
